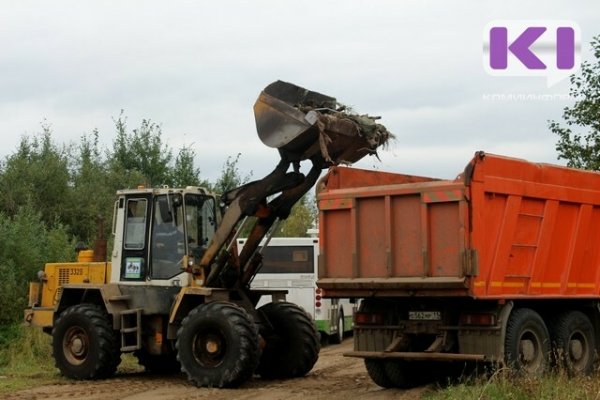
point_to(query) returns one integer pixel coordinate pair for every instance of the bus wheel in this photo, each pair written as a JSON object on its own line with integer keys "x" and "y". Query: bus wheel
{"x": 337, "y": 337}
{"x": 84, "y": 344}
{"x": 292, "y": 345}
{"x": 527, "y": 344}
{"x": 217, "y": 345}
{"x": 574, "y": 342}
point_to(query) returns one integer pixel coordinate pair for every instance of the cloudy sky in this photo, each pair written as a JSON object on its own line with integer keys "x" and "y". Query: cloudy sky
{"x": 196, "y": 67}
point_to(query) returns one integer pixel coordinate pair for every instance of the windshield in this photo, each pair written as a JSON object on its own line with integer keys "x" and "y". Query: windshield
{"x": 180, "y": 227}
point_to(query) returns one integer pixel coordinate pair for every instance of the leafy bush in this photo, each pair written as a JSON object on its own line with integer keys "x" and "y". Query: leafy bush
{"x": 26, "y": 244}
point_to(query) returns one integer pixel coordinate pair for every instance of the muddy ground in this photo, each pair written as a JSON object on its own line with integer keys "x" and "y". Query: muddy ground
{"x": 333, "y": 377}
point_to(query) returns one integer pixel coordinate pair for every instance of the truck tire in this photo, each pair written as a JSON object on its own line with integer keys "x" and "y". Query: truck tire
{"x": 574, "y": 342}
{"x": 395, "y": 373}
{"x": 84, "y": 345}
{"x": 405, "y": 375}
{"x": 337, "y": 337}
{"x": 158, "y": 363}
{"x": 217, "y": 345}
{"x": 527, "y": 342}
{"x": 292, "y": 347}
{"x": 377, "y": 371}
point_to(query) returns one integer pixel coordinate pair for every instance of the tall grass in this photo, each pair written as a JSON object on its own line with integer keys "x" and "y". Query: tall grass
{"x": 506, "y": 385}
{"x": 25, "y": 358}
{"x": 24, "y": 350}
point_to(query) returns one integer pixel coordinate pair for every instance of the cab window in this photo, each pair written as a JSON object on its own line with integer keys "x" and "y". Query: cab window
{"x": 135, "y": 226}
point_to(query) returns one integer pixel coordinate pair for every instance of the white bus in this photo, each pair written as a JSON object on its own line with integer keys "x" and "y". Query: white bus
{"x": 291, "y": 264}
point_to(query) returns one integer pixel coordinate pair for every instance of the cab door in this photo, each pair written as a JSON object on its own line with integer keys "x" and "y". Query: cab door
{"x": 134, "y": 260}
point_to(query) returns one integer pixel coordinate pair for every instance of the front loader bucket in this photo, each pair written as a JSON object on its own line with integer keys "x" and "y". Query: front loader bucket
{"x": 280, "y": 121}
{"x": 303, "y": 124}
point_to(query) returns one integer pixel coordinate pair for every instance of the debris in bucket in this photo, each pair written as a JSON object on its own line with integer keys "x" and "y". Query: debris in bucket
{"x": 305, "y": 124}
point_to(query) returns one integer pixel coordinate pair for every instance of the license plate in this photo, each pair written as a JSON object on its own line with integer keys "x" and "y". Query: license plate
{"x": 424, "y": 315}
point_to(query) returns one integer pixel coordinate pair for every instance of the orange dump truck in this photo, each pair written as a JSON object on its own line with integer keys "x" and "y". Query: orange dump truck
{"x": 499, "y": 265}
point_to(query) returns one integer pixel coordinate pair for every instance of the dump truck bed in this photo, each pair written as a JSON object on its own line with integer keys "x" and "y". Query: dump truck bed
{"x": 505, "y": 228}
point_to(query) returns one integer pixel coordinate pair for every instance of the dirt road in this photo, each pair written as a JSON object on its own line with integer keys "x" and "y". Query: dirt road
{"x": 333, "y": 377}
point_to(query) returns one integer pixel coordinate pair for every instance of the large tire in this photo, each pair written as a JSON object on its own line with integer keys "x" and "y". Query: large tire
{"x": 337, "y": 337}
{"x": 396, "y": 373}
{"x": 217, "y": 345}
{"x": 84, "y": 345}
{"x": 574, "y": 342}
{"x": 158, "y": 363}
{"x": 406, "y": 375}
{"x": 376, "y": 370}
{"x": 527, "y": 342}
{"x": 292, "y": 346}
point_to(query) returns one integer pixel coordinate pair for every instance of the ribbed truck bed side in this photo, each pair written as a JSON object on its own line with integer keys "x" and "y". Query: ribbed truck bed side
{"x": 405, "y": 235}
{"x": 506, "y": 228}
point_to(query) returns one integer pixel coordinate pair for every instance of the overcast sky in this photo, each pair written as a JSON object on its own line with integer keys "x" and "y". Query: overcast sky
{"x": 196, "y": 68}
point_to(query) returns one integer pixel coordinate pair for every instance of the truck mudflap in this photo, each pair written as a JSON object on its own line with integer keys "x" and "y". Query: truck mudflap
{"x": 417, "y": 356}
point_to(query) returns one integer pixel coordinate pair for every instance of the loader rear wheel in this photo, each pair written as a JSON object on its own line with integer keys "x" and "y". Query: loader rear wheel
{"x": 527, "y": 342}
{"x": 217, "y": 345}
{"x": 292, "y": 346}
{"x": 574, "y": 341}
{"x": 84, "y": 345}
{"x": 158, "y": 363}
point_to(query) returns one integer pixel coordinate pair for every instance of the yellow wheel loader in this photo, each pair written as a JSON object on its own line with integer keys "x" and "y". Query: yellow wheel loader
{"x": 175, "y": 291}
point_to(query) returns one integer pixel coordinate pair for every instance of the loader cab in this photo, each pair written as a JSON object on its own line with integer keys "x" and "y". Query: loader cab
{"x": 155, "y": 228}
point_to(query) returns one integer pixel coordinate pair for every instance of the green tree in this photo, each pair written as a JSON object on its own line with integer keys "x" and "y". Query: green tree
{"x": 140, "y": 154}
{"x": 301, "y": 219}
{"x": 26, "y": 244}
{"x": 91, "y": 194}
{"x": 184, "y": 173}
{"x": 579, "y": 140}
{"x": 230, "y": 176}
{"x": 36, "y": 174}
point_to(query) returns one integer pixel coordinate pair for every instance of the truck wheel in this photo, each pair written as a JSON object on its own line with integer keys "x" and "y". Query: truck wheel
{"x": 574, "y": 341}
{"x": 84, "y": 345}
{"x": 405, "y": 375}
{"x": 292, "y": 347}
{"x": 217, "y": 345}
{"x": 158, "y": 363}
{"x": 337, "y": 337}
{"x": 377, "y": 371}
{"x": 395, "y": 373}
{"x": 527, "y": 342}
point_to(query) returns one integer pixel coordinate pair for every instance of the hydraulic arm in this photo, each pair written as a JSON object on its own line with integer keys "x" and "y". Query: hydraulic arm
{"x": 302, "y": 125}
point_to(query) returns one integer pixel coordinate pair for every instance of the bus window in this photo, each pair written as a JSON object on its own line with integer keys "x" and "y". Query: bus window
{"x": 288, "y": 260}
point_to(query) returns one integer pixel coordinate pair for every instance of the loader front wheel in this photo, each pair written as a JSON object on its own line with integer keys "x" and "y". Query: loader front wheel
{"x": 217, "y": 345}
{"x": 84, "y": 344}
{"x": 292, "y": 345}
